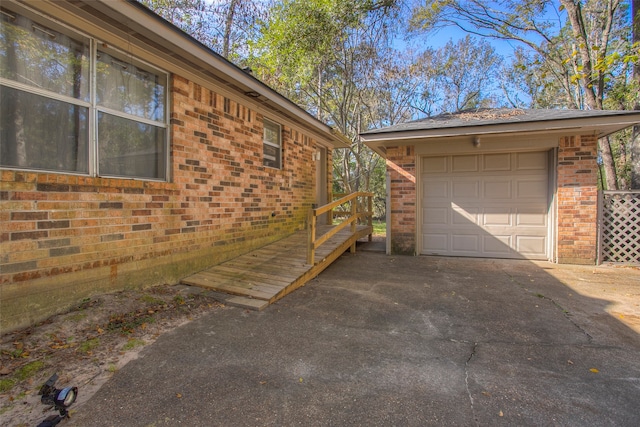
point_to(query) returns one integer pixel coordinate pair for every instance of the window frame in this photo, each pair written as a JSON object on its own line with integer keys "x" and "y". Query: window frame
{"x": 97, "y": 109}
{"x": 278, "y": 146}
{"x": 93, "y": 143}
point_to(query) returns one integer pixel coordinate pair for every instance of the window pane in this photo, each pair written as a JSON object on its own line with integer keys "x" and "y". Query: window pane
{"x": 41, "y": 133}
{"x": 125, "y": 87}
{"x": 271, "y": 156}
{"x": 44, "y": 58}
{"x": 271, "y": 132}
{"x": 271, "y": 145}
{"x": 130, "y": 149}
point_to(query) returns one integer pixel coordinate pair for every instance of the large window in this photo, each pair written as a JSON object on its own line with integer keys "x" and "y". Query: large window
{"x": 69, "y": 107}
{"x": 272, "y": 145}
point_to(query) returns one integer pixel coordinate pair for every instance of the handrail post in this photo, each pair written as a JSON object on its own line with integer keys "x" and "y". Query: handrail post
{"x": 311, "y": 237}
{"x": 354, "y": 220}
{"x": 370, "y": 215}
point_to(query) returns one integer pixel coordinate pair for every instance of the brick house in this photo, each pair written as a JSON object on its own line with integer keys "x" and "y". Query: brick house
{"x": 131, "y": 154}
{"x": 496, "y": 183}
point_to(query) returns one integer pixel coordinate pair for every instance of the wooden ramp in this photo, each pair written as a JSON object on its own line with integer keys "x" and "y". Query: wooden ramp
{"x": 257, "y": 279}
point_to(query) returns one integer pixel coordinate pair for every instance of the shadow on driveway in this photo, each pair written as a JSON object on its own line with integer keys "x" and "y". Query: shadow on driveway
{"x": 382, "y": 340}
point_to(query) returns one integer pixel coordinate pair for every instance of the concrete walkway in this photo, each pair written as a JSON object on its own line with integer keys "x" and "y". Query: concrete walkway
{"x": 379, "y": 340}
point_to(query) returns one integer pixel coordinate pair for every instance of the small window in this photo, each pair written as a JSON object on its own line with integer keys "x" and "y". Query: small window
{"x": 272, "y": 145}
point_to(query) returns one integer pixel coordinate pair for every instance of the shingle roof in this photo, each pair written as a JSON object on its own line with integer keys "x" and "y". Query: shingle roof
{"x": 493, "y": 116}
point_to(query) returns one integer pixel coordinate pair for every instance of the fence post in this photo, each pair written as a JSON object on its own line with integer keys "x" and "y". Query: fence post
{"x": 599, "y": 225}
{"x": 354, "y": 220}
{"x": 311, "y": 236}
{"x": 370, "y": 215}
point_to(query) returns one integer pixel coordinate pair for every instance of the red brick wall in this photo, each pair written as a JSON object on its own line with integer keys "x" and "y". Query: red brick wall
{"x": 65, "y": 237}
{"x": 577, "y": 194}
{"x": 401, "y": 166}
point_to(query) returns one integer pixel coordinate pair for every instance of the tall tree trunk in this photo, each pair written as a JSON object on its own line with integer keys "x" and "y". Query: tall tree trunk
{"x": 635, "y": 144}
{"x": 575, "y": 15}
{"x": 228, "y": 27}
{"x": 609, "y": 166}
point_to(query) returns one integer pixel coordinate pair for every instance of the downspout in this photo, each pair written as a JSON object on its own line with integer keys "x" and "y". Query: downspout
{"x": 600, "y": 231}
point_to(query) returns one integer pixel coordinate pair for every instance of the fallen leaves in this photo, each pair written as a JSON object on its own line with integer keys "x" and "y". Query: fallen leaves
{"x": 97, "y": 329}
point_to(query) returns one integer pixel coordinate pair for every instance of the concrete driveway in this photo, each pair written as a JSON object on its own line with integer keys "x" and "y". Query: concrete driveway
{"x": 379, "y": 340}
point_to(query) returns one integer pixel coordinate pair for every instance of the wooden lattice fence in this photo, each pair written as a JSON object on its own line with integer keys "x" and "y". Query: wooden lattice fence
{"x": 620, "y": 227}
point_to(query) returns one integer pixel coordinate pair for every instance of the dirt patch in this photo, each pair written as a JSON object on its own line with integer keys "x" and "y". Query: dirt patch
{"x": 87, "y": 345}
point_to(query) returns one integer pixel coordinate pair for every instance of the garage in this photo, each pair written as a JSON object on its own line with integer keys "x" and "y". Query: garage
{"x": 496, "y": 183}
{"x": 485, "y": 205}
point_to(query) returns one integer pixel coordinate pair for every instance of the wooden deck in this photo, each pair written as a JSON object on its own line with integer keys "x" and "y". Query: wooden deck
{"x": 259, "y": 278}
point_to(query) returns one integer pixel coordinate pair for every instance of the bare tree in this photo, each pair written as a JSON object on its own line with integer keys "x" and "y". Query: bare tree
{"x": 581, "y": 57}
{"x": 635, "y": 147}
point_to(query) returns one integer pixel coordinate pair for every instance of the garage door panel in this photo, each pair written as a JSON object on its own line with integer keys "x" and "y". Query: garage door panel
{"x": 491, "y": 205}
{"x": 464, "y": 164}
{"x": 435, "y": 165}
{"x": 497, "y": 189}
{"x": 497, "y": 217}
{"x": 436, "y": 243}
{"x": 464, "y": 243}
{"x": 463, "y": 190}
{"x": 464, "y": 216}
{"x": 437, "y": 189}
{"x": 531, "y": 219}
{"x": 532, "y": 246}
{"x": 498, "y": 246}
{"x": 435, "y": 216}
{"x": 496, "y": 162}
{"x": 531, "y": 161}
{"x": 531, "y": 189}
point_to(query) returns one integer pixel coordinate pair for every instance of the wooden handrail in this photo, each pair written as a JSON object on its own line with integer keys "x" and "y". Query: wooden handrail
{"x": 355, "y": 214}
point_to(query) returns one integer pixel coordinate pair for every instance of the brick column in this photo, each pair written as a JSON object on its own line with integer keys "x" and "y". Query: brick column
{"x": 401, "y": 165}
{"x": 577, "y": 200}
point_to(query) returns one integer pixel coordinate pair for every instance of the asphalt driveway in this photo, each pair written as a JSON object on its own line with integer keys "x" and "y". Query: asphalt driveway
{"x": 378, "y": 340}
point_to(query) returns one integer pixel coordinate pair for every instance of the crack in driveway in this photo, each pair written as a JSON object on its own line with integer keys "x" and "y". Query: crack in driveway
{"x": 466, "y": 380}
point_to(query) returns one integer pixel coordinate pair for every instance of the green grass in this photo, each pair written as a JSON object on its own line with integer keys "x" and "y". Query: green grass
{"x": 133, "y": 343}
{"x": 151, "y": 300}
{"x": 89, "y": 345}
{"x": 77, "y": 317}
{"x": 21, "y": 374}
{"x": 379, "y": 228}
{"x": 29, "y": 370}
{"x": 6, "y": 384}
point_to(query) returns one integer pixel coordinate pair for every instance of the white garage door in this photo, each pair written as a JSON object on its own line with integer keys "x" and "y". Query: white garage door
{"x": 485, "y": 205}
